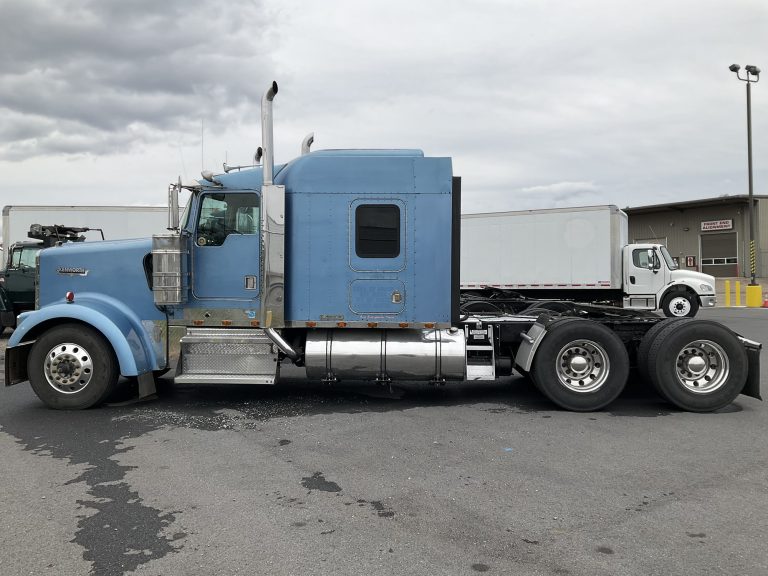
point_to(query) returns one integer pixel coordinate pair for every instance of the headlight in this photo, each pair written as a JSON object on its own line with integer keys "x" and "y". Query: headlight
{"x": 706, "y": 288}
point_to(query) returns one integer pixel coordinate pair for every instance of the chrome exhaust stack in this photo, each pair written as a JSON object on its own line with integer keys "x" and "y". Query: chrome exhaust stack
{"x": 267, "y": 137}
{"x": 306, "y": 144}
{"x": 272, "y": 301}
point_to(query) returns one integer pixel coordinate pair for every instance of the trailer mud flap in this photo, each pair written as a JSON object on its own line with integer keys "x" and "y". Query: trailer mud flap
{"x": 752, "y": 387}
{"x": 16, "y": 363}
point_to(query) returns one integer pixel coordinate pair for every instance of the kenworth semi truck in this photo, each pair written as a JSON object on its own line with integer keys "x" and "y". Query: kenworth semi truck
{"x": 576, "y": 254}
{"x": 344, "y": 263}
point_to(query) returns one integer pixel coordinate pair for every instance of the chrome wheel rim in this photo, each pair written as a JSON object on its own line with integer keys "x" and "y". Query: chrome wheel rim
{"x": 68, "y": 368}
{"x": 582, "y": 366}
{"x": 679, "y": 306}
{"x": 702, "y": 367}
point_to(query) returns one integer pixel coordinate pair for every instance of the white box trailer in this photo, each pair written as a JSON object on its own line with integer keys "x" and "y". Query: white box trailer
{"x": 117, "y": 222}
{"x": 577, "y": 254}
{"x": 565, "y": 248}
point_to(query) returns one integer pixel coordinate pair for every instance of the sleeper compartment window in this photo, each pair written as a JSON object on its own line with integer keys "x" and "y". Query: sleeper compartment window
{"x": 377, "y": 231}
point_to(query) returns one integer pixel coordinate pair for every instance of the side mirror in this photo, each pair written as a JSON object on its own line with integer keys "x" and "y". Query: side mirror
{"x": 173, "y": 205}
{"x": 651, "y": 259}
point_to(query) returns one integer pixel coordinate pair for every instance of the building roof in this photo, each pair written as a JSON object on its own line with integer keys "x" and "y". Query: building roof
{"x": 688, "y": 204}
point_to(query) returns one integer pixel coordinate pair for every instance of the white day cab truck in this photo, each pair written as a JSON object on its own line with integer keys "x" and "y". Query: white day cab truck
{"x": 578, "y": 255}
{"x": 346, "y": 264}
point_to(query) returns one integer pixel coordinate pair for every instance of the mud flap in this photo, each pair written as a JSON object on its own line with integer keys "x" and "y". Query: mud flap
{"x": 752, "y": 387}
{"x": 16, "y": 363}
{"x": 146, "y": 385}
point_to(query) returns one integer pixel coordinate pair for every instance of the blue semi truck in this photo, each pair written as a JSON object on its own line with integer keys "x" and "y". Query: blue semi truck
{"x": 344, "y": 263}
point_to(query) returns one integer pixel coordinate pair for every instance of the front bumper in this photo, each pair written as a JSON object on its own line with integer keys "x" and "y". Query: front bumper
{"x": 708, "y": 301}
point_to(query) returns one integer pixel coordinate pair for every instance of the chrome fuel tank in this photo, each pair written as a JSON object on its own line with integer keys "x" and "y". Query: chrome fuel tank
{"x": 386, "y": 354}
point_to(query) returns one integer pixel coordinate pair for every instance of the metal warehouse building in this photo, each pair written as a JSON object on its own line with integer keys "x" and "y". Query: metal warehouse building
{"x": 710, "y": 236}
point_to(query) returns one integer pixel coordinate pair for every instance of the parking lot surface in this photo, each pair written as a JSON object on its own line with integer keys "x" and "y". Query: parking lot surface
{"x": 306, "y": 479}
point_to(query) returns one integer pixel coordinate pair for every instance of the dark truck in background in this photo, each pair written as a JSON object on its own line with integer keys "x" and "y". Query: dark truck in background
{"x": 17, "y": 278}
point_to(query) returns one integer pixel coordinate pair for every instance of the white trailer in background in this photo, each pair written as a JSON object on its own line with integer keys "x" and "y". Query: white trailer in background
{"x": 577, "y": 254}
{"x": 117, "y": 222}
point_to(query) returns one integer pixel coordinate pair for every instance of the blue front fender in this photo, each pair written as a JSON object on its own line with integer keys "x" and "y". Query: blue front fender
{"x": 137, "y": 350}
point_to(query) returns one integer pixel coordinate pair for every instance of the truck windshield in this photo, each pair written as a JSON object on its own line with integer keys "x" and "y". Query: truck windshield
{"x": 671, "y": 264}
{"x": 24, "y": 257}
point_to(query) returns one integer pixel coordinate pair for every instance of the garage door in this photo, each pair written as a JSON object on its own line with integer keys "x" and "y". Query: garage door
{"x": 719, "y": 254}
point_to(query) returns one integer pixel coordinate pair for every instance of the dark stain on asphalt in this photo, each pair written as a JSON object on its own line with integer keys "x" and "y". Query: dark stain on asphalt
{"x": 284, "y": 442}
{"x": 117, "y": 531}
{"x": 381, "y": 509}
{"x": 696, "y": 534}
{"x": 480, "y": 567}
{"x": 318, "y": 482}
{"x": 217, "y": 408}
{"x": 604, "y": 550}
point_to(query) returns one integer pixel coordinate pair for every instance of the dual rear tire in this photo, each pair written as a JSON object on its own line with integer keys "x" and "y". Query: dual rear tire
{"x": 697, "y": 365}
{"x": 580, "y": 365}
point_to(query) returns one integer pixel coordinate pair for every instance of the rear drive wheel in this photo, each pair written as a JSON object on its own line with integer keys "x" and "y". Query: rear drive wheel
{"x": 698, "y": 366}
{"x": 680, "y": 305}
{"x": 72, "y": 367}
{"x": 581, "y": 365}
{"x": 645, "y": 345}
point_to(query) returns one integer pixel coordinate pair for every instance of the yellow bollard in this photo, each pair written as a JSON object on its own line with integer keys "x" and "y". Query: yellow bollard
{"x": 738, "y": 293}
{"x": 727, "y": 293}
{"x": 754, "y": 296}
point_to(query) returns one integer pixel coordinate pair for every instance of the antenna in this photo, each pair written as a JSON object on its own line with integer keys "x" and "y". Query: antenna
{"x": 653, "y": 234}
{"x": 181, "y": 156}
{"x": 202, "y": 143}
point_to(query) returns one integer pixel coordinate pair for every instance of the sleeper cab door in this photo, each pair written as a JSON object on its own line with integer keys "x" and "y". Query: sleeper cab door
{"x": 226, "y": 247}
{"x": 377, "y": 258}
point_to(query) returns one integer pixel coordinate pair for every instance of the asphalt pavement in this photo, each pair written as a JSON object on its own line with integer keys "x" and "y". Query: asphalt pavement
{"x": 306, "y": 479}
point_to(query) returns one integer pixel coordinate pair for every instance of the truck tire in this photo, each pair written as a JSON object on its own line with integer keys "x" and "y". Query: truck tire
{"x": 680, "y": 304}
{"x": 646, "y": 343}
{"x": 699, "y": 366}
{"x": 581, "y": 365}
{"x": 72, "y": 367}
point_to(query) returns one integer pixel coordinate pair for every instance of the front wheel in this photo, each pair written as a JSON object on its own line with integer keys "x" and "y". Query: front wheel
{"x": 581, "y": 365}
{"x": 680, "y": 305}
{"x": 72, "y": 367}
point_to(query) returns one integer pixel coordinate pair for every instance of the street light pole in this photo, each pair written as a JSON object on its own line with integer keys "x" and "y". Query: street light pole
{"x": 752, "y": 76}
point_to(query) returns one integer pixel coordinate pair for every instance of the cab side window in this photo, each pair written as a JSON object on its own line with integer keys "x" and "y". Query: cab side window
{"x": 16, "y": 258}
{"x": 225, "y": 214}
{"x": 641, "y": 259}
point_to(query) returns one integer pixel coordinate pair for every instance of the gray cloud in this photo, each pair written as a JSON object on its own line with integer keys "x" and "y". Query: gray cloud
{"x": 538, "y": 103}
{"x": 92, "y": 76}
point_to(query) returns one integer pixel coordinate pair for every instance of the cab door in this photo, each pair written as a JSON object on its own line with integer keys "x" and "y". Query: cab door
{"x": 20, "y": 277}
{"x": 226, "y": 247}
{"x": 644, "y": 273}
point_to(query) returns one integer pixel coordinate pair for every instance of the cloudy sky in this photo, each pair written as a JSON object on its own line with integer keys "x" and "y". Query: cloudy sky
{"x": 540, "y": 103}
